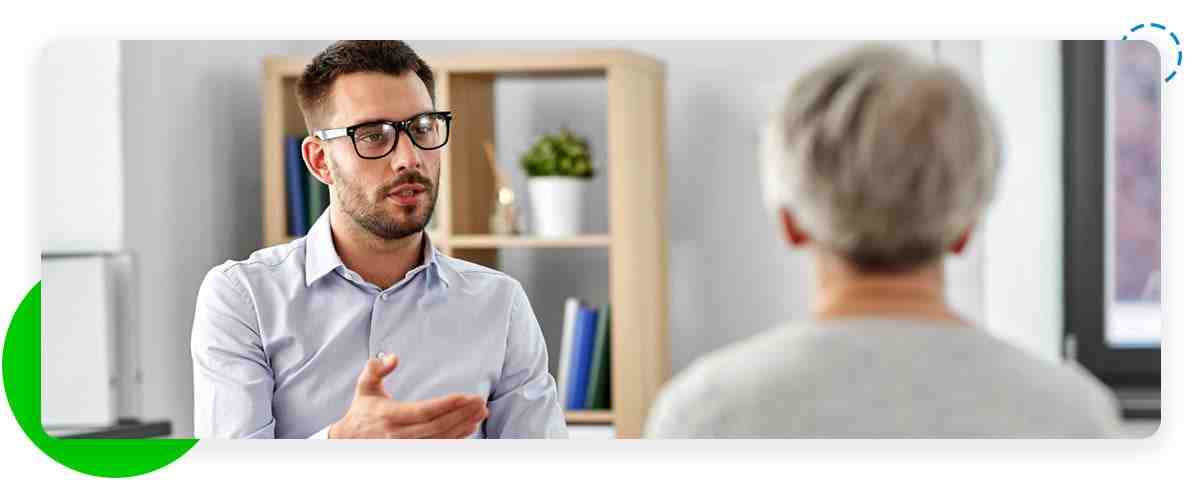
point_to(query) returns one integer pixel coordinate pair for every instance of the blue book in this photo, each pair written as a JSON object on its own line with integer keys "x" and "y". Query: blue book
{"x": 297, "y": 195}
{"x": 581, "y": 357}
{"x": 598, "y": 381}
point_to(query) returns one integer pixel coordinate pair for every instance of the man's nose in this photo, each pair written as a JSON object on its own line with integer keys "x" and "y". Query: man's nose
{"x": 406, "y": 156}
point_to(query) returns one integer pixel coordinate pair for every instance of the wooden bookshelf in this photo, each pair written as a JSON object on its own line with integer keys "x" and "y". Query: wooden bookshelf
{"x": 514, "y": 241}
{"x": 504, "y": 241}
{"x": 589, "y": 417}
{"x": 636, "y": 173}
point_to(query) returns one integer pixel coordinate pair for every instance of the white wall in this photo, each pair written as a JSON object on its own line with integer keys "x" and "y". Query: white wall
{"x": 192, "y": 183}
{"x": 1023, "y": 285}
{"x": 729, "y": 273}
{"x": 192, "y": 115}
{"x": 527, "y": 108}
{"x": 77, "y": 133}
{"x": 77, "y": 160}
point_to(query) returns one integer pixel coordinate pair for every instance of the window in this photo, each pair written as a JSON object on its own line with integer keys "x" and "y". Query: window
{"x": 1133, "y": 194}
{"x": 1112, "y": 155}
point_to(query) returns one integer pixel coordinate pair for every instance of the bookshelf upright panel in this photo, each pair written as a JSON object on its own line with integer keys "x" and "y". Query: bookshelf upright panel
{"x": 465, "y": 165}
{"x": 281, "y": 117}
{"x": 637, "y": 186}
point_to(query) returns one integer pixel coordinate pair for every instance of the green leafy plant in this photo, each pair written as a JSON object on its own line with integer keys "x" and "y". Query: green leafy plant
{"x": 562, "y": 154}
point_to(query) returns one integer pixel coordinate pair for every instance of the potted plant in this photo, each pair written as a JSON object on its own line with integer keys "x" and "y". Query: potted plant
{"x": 559, "y": 167}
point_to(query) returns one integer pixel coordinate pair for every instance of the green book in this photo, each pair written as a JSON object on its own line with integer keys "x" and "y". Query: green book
{"x": 318, "y": 199}
{"x": 598, "y": 377}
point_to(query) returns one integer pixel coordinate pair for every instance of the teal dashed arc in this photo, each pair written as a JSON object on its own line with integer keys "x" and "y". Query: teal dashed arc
{"x": 1174, "y": 39}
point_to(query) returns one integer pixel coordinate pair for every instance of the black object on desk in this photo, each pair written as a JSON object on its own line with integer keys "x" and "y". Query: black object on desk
{"x": 1139, "y": 403}
{"x": 124, "y": 428}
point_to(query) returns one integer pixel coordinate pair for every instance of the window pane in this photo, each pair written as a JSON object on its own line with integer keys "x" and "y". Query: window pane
{"x": 1134, "y": 195}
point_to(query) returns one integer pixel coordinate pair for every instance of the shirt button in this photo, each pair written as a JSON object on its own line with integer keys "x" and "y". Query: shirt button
{"x": 380, "y": 355}
{"x": 383, "y": 296}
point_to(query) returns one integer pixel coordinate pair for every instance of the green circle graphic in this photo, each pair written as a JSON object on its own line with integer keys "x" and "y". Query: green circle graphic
{"x": 23, "y": 384}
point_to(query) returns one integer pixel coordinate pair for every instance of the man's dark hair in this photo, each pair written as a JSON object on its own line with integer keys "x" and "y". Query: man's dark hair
{"x": 392, "y": 57}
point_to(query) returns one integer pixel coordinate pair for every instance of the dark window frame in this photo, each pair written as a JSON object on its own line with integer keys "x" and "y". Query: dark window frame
{"x": 1084, "y": 144}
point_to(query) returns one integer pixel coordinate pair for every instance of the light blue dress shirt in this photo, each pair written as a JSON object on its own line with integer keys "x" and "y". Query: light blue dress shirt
{"x": 280, "y": 339}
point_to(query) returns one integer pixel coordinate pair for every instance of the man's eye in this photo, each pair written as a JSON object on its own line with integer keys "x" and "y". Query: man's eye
{"x": 371, "y": 138}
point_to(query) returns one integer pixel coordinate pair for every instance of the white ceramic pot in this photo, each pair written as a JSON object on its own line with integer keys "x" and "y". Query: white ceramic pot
{"x": 557, "y": 204}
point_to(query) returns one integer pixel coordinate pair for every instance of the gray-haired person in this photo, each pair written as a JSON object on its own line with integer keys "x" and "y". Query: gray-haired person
{"x": 880, "y": 164}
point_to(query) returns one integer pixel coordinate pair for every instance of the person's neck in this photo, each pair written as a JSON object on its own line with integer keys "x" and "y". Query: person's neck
{"x": 842, "y": 292}
{"x": 383, "y": 262}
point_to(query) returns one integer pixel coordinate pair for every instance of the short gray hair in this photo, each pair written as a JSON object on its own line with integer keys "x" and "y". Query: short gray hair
{"x": 882, "y": 158}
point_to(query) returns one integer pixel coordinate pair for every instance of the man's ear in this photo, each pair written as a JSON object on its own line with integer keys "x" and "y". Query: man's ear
{"x": 794, "y": 235}
{"x": 961, "y": 244}
{"x": 316, "y": 159}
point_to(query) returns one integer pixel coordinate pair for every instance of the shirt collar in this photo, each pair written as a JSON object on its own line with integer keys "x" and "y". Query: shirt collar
{"x": 435, "y": 260}
{"x": 320, "y": 257}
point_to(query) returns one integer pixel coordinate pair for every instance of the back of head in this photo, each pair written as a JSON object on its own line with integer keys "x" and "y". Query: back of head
{"x": 881, "y": 158}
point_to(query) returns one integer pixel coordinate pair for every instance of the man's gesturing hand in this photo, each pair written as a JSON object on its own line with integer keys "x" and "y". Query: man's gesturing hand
{"x": 374, "y": 414}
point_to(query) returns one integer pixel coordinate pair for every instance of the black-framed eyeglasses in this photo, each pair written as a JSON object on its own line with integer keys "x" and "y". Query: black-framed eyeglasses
{"x": 377, "y": 139}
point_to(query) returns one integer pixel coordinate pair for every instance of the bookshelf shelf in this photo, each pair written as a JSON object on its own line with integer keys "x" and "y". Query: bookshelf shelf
{"x": 513, "y": 241}
{"x": 506, "y": 241}
{"x": 589, "y": 417}
{"x": 636, "y": 174}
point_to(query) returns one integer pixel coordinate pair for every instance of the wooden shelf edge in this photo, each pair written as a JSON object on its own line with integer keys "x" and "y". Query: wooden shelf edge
{"x": 585, "y": 60}
{"x": 286, "y": 65}
{"x": 597, "y": 60}
{"x": 504, "y": 241}
{"x": 524, "y": 241}
{"x": 589, "y": 417}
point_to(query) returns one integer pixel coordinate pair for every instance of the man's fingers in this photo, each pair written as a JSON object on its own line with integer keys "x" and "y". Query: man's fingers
{"x": 409, "y": 413}
{"x": 469, "y": 427}
{"x": 463, "y": 432}
{"x": 370, "y": 381}
{"x": 465, "y": 418}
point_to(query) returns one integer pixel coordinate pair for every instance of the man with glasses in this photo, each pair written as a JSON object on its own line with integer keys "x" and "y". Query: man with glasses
{"x": 362, "y": 329}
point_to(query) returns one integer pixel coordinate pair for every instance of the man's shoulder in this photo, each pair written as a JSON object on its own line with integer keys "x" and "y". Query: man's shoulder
{"x": 733, "y": 386}
{"x": 1033, "y": 375}
{"x": 230, "y": 287}
{"x": 285, "y": 258}
{"x": 475, "y": 274}
{"x": 712, "y": 390}
{"x": 1078, "y": 402}
{"x": 762, "y": 353}
{"x": 1072, "y": 393}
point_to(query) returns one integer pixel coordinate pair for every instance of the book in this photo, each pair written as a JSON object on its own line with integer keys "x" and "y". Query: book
{"x": 598, "y": 379}
{"x": 297, "y": 198}
{"x": 581, "y": 357}
{"x": 570, "y": 310}
{"x": 318, "y": 198}
{"x": 604, "y": 394}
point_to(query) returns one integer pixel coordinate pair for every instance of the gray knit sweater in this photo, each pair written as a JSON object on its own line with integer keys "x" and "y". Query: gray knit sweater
{"x": 881, "y": 378}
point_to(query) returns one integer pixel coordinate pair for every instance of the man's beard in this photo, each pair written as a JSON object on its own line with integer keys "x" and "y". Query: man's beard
{"x": 371, "y": 216}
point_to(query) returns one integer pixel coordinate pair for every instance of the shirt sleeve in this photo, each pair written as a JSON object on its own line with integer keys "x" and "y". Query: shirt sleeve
{"x": 233, "y": 382}
{"x": 524, "y": 403}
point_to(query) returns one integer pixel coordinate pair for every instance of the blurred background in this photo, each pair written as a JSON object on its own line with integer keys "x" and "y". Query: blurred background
{"x": 151, "y": 173}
